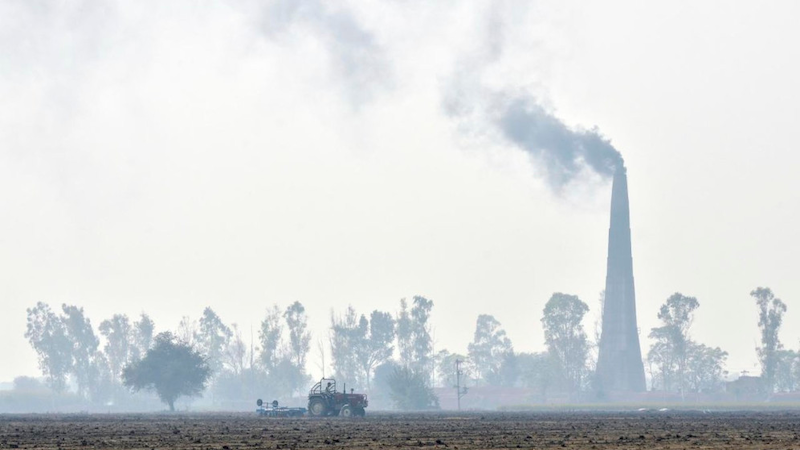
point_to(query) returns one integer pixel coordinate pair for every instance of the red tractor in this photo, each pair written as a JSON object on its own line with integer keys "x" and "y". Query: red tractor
{"x": 324, "y": 400}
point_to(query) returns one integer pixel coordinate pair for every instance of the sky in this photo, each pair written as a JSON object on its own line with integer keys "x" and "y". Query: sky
{"x": 162, "y": 157}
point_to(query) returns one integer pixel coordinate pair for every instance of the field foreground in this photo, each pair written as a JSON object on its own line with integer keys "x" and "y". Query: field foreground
{"x": 599, "y": 430}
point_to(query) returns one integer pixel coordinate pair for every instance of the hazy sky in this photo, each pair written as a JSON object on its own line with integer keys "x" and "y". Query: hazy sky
{"x": 167, "y": 156}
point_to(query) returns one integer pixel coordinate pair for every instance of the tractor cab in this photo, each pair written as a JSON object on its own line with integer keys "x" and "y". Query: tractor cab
{"x": 325, "y": 400}
{"x": 324, "y": 386}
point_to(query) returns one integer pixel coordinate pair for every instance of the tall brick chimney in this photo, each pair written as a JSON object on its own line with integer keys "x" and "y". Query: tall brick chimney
{"x": 619, "y": 362}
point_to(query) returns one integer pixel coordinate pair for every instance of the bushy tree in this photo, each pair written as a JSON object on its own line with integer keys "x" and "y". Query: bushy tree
{"x": 171, "y": 368}
{"x": 489, "y": 348}
{"x": 380, "y": 398}
{"x": 770, "y": 317}
{"x": 409, "y": 390}
{"x": 565, "y": 337}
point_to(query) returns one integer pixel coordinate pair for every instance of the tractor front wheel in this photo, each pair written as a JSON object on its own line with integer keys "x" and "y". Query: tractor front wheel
{"x": 316, "y": 407}
{"x": 346, "y": 411}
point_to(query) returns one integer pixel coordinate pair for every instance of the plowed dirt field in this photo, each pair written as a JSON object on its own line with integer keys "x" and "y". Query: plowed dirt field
{"x": 658, "y": 430}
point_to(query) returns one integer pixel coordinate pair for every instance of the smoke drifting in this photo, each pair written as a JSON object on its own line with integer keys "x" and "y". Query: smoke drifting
{"x": 510, "y": 110}
{"x": 565, "y": 152}
{"x": 356, "y": 58}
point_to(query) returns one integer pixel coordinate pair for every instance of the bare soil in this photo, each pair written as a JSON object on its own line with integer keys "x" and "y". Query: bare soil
{"x": 594, "y": 430}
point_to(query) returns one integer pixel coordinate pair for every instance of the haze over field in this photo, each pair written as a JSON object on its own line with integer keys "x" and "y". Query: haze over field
{"x": 163, "y": 157}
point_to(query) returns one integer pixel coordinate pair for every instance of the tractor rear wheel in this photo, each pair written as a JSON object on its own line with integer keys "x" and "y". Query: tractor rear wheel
{"x": 316, "y": 407}
{"x": 346, "y": 411}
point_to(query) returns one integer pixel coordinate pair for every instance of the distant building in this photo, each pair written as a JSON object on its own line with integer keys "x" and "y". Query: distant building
{"x": 745, "y": 388}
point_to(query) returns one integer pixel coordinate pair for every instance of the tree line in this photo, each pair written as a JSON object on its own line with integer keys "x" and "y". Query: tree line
{"x": 679, "y": 364}
{"x": 390, "y": 355}
{"x": 70, "y": 355}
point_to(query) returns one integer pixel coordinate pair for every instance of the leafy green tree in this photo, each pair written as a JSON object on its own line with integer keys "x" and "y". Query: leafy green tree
{"x": 565, "y": 337}
{"x": 84, "y": 347}
{"x": 171, "y": 368}
{"x": 770, "y": 317}
{"x": 212, "y": 338}
{"x": 118, "y": 334}
{"x": 270, "y": 337}
{"x": 672, "y": 342}
{"x": 48, "y": 336}
{"x": 299, "y": 336}
{"x": 489, "y": 347}
{"x": 409, "y": 390}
